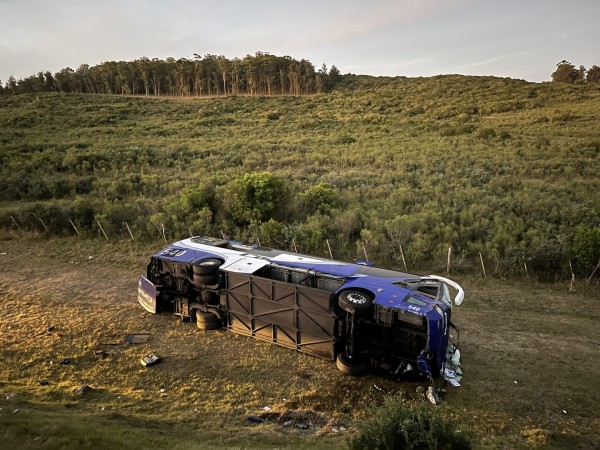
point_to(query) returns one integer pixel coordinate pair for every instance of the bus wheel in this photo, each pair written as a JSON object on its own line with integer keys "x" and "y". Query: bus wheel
{"x": 355, "y": 302}
{"x": 207, "y": 266}
{"x": 207, "y": 321}
{"x": 202, "y": 280}
{"x": 351, "y": 367}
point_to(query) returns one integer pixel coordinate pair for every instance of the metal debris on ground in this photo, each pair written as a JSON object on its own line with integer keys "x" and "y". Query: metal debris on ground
{"x": 65, "y": 361}
{"x": 254, "y": 419}
{"x": 136, "y": 338}
{"x": 84, "y": 388}
{"x": 44, "y": 383}
{"x": 150, "y": 360}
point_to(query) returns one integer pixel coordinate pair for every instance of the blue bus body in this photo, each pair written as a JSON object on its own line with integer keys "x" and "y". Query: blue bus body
{"x": 361, "y": 316}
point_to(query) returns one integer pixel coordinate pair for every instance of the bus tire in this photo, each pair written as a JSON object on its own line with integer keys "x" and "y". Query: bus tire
{"x": 355, "y": 302}
{"x": 351, "y": 367}
{"x": 202, "y": 280}
{"x": 207, "y": 321}
{"x": 206, "y": 266}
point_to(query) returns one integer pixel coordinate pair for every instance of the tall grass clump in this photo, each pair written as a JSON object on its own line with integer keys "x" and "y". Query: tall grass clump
{"x": 398, "y": 424}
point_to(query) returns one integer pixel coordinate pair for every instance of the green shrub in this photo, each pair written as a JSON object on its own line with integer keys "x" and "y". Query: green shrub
{"x": 586, "y": 248}
{"x": 400, "y": 425}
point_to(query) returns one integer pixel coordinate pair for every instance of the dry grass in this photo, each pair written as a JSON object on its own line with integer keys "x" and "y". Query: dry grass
{"x": 540, "y": 336}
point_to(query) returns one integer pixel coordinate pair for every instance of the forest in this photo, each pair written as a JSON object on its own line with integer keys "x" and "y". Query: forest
{"x": 209, "y": 75}
{"x": 502, "y": 171}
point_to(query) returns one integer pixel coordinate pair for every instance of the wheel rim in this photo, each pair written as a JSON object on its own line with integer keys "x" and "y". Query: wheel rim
{"x": 356, "y": 299}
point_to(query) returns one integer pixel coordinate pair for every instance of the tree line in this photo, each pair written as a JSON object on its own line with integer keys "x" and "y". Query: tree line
{"x": 567, "y": 73}
{"x": 209, "y": 75}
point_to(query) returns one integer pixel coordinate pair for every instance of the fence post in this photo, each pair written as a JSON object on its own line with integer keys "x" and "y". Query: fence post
{"x": 365, "y": 251}
{"x": 329, "y": 247}
{"x": 102, "y": 229}
{"x": 76, "y": 230}
{"x": 572, "y": 283}
{"x": 163, "y": 232}
{"x": 588, "y": 279}
{"x": 448, "y": 263}
{"x": 526, "y": 272}
{"x": 403, "y": 260}
{"x": 482, "y": 266}
{"x": 130, "y": 233}
{"x": 45, "y": 227}
{"x": 294, "y": 244}
{"x": 15, "y": 222}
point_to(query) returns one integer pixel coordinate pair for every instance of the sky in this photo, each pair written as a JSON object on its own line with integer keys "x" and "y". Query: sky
{"x": 522, "y": 39}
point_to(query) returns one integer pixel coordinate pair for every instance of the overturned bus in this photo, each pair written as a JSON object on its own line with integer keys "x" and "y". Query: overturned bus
{"x": 358, "y": 315}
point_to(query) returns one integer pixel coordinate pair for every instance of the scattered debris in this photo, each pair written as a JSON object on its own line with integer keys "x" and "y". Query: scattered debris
{"x": 453, "y": 382}
{"x": 3, "y": 254}
{"x": 100, "y": 354}
{"x": 305, "y": 420}
{"x": 50, "y": 329}
{"x": 150, "y": 360}
{"x": 452, "y": 370}
{"x": 44, "y": 383}
{"x": 515, "y": 381}
{"x": 84, "y": 388}
{"x": 163, "y": 391}
{"x": 254, "y": 419}
{"x": 378, "y": 388}
{"x": 564, "y": 411}
{"x": 16, "y": 411}
{"x": 103, "y": 408}
{"x": 420, "y": 390}
{"x": 65, "y": 361}
{"x": 432, "y": 396}
{"x": 10, "y": 396}
{"x": 136, "y": 338}
{"x": 90, "y": 258}
{"x": 267, "y": 408}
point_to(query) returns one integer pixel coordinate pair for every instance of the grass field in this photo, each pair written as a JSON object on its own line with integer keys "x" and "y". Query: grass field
{"x": 529, "y": 357}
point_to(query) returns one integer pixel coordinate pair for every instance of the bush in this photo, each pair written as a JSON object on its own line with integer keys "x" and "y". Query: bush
{"x": 400, "y": 425}
{"x": 586, "y": 248}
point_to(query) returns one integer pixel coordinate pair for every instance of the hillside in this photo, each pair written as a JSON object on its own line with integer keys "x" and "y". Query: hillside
{"x": 500, "y": 167}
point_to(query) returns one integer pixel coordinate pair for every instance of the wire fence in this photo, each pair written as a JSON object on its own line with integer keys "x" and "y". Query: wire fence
{"x": 460, "y": 264}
